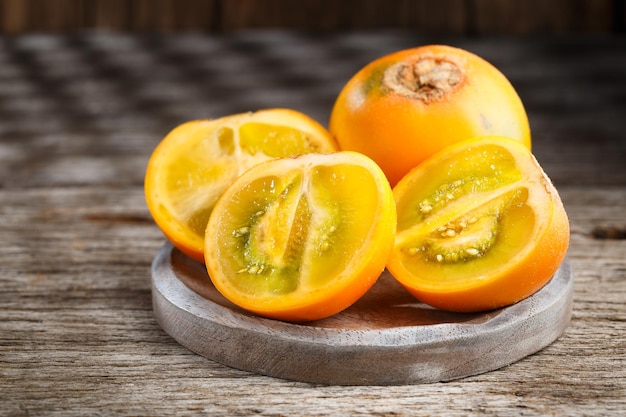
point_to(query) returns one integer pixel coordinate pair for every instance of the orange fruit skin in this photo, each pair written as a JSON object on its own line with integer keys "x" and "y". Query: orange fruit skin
{"x": 164, "y": 219}
{"x": 399, "y": 132}
{"x": 518, "y": 279}
{"x": 359, "y": 275}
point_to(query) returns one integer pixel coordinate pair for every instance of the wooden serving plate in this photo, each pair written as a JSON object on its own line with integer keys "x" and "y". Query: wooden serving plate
{"x": 386, "y": 338}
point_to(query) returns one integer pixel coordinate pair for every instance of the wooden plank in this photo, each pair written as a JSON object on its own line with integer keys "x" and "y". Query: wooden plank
{"x": 110, "y": 14}
{"x": 173, "y": 15}
{"x": 412, "y": 343}
{"x": 79, "y": 116}
{"x": 536, "y": 16}
{"x": 57, "y": 15}
{"x": 426, "y": 16}
{"x": 42, "y": 15}
{"x": 429, "y": 16}
{"x": 78, "y": 335}
{"x": 14, "y": 15}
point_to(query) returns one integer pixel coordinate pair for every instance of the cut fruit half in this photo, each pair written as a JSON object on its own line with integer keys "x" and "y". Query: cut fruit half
{"x": 480, "y": 226}
{"x": 301, "y": 238}
{"x": 193, "y": 165}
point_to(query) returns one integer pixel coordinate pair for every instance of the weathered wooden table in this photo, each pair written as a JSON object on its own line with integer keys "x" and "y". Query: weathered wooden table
{"x": 79, "y": 116}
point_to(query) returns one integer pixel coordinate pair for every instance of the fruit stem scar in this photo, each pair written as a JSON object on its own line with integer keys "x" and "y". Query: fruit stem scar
{"x": 427, "y": 79}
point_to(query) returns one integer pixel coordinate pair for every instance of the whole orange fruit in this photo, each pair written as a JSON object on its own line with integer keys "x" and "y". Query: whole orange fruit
{"x": 404, "y": 107}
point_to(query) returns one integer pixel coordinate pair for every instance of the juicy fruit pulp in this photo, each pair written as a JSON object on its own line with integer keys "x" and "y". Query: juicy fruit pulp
{"x": 404, "y": 107}
{"x": 301, "y": 238}
{"x": 480, "y": 226}
{"x": 198, "y": 160}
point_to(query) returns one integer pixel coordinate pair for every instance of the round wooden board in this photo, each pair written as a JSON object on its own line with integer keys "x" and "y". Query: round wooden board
{"x": 386, "y": 338}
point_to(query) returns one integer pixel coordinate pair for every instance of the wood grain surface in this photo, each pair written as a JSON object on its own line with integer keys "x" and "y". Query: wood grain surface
{"x": 80, "y": 115}
{"x": 410, "y": 342}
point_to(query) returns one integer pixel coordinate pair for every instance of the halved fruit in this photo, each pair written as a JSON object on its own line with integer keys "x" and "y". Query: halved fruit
{"x": 195, "y": 162}
{"x": 301, "y": 238}
{"x": 480, "y": 226}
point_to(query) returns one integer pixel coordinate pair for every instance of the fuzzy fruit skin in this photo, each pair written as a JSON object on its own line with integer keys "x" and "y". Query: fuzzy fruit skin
{"x": 399, "y": 132}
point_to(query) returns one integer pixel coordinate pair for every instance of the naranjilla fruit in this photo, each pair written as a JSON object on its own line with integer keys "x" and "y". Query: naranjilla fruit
{"x": 301, "y": 238}
{"x": 193, "y": 165}
{"x": 404, "y": 107}
{"x": 480, "y": 226}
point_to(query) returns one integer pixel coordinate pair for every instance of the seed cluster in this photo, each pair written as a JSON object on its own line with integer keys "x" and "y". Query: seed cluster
{"x": 451, "y": 229}
{"x": 254, "y": 269}
{"x": 444, "y": 194}
{"x": 242, "y": 231}
{"x": 326, "y": 239}
{"x": 459, "y": 240}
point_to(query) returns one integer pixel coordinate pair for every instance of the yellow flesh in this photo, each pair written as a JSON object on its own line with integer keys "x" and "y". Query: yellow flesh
{"x": 197, "y": 169}
{"x": 296, "y": 231}
{"x": 465, "y": 216}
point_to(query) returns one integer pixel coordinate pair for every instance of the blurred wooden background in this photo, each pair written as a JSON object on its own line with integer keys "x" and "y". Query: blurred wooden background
{"x": 429, "y": 16}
